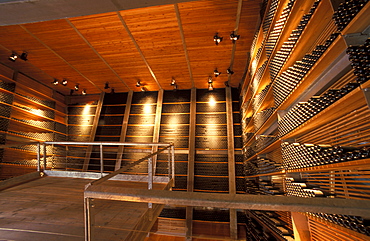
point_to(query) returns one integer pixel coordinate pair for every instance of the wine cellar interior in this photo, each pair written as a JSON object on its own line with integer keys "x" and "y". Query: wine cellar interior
{"x": 287, "y": 116}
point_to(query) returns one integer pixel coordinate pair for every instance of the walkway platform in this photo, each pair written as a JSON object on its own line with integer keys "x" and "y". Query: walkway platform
{"x": 52, "y": 208}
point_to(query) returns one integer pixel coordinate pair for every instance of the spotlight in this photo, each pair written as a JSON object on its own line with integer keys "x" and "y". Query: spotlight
{"x": 71, "y": 92}
{"x": 217, "y": 39}
{"x": 112, "y": 91}
{"x": 77, "y": 87}
{"x": 234, "y": 37}
{"x": 210, "y": 79}
{"x": 55, "y": 82}
{"x": 216, "y": 73}
{"x": 175, "y": 87}
{"x": 64, "y": 82}
{"x": 24, "y": 56}
{"x": 143, "y": 89}
{"x": 229, "y": 71}
{"x": 138, "y": 84}
{"x": 13, "y": 57}
{"x": 84, "y": 92}
{"x": 210, "y": 86}
{"x": 227, "y": 83}
{"x": 173, "y": 81}
{"x": 106, "y": 86}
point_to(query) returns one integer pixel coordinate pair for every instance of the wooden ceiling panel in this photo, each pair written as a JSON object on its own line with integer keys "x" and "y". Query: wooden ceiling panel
{"x": 107, "y": 35}
{"x": 62, "y": 38}
{"x": 42, "y": 63}
{"x": 247, "y": 25}
{"x": 201, "y": 21}
{"x": 157, "y": 33}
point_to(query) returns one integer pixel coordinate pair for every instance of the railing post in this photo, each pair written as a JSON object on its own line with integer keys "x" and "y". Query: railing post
{"x": 173, "y": 163}
{"x": 38, "y": 157}
{"x": 44, "y": 156}
{"x": 89, "y": 219}
{"x": 150, "y": 177}
{"x": 169, "y": 164}
{"x": 101, "y": 160}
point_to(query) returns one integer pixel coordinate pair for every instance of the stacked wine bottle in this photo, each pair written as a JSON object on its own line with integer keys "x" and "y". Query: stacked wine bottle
{"x": 360, "y": 61}
{"x": 303, "y": 111}
{"x": 303, "y": 189}
{"x": 297, "y": 155}
{"x": 347, "y": 10}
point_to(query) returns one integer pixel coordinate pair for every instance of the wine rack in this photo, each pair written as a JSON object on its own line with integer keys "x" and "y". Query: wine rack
{"x": 304, "y": 125}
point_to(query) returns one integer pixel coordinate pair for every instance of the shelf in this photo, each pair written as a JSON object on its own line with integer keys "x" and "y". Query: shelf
{"x": 266, "y": 174}
{"x": 336, "y": 166}
{"x": 352, "y": 101}
{"x": 322, "y": 65}
{"x": 360, "y": 22}
{"x": 263, "y": 128}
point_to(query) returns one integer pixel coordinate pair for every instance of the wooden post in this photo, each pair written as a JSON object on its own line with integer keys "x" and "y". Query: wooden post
{"x": 300, "y": 227}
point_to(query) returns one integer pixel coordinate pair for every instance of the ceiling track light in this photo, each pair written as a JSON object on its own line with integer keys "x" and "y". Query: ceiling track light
{"x": 55, "y": 82}
{"x": 210, "y": 86}
{"x": 138, "y": 84}
{"x": 175, "y": 87}
{"x": 13, "y": 57}
{"x": 227, "y": 83}
{"x": 112, "y": 91}
{"x": 24, "y": 56}
{"x": 217, "y": 39}
{"x": 216, "y": 73}
{"x": 234, "y": 36}
{"x": 229, "y": 71}
{"x": 106, "y": 86}
{"x": 143, "y": 89}
{"x": 84, "y": 92}
{"x": 173, "y": 81}
{"x": 210, "y": 80}
{"x": 64, "y": 82}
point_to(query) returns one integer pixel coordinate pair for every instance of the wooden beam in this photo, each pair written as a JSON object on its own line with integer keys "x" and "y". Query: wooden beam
{"x": 191, "y": 160}
{"x": 11, "y": 182}
{"x": 123, "y": 130}
{"x": 301, "y": 227}
{"x": 179, "y": 22}
{"x": 93, "y": 131}
{"x": 233, "y": 201}
{"x": 157, "y": 125}
{"x": 231, "y": 160}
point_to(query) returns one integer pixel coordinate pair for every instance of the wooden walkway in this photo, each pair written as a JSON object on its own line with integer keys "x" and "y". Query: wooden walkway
{"x": 51, "y": 208}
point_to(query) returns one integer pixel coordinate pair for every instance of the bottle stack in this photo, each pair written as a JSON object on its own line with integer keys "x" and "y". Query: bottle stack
{"x": 297, "y": 155}
{"x": 347, "y": 11}
{"x": 303, "y": 189}
{"x": 360, "y": 61}
{"x": 261, "y": 117}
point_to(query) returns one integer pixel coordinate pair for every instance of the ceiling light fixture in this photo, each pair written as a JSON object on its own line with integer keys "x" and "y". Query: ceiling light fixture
{"x": 216, "y": 73}
{"x": 84, "y": 92}
{"x": 77, "y": 86}
{"x": 143, "y": 89}
{"x": 234, "y": 36}
{"x": 173, "y": 81}
{"x": 210, "y": 80}
{"x": 55, "y": 82}
{"x": 24, "y": 56}
{"x": 64, "y": 82}
{"x": 226, "y": 83}
{"x": 106, "y": 86}
{"x": 112, "y": 91}
{"x": 175, "y": 87}
{"x": 13, "y": 57}
{"x": 229, "y": 71}
{"x": 71, "y": 92}
{"x": 138, "y": 84}
{"x": 217, "y": 39}
{"x": 210, "y": 86}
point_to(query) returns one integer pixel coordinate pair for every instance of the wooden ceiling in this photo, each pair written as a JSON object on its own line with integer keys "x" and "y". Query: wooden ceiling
{"x": 151, "y": 45}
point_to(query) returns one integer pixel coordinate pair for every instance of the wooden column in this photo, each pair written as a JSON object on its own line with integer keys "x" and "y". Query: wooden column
{"x": 93, "y": 131}
{"x": 231, "y": 160}
{"x": 191, "y": 159}
{"x": 157, "y": 126}
{"x": 123, "y": 130}
{"x": 300, "y": 227}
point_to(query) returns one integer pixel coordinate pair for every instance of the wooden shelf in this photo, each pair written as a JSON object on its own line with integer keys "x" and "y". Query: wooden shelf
{"x": 360, "y": 22}
{"x": 352, "y": 101}
{"x": 267, "y": 174}
{"x": 264, "y": 127}
{"x": 335, "y": 166}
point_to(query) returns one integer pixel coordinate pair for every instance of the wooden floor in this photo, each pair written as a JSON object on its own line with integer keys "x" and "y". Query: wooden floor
{"x": 51, "y": 208}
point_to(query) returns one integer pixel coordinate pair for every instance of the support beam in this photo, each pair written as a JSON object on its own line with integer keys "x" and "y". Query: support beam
{"x": 301, "y": 227}
{"x": 233, "y": 201}
{"x": 123, "y": 130}
{"x": 231, "y": 160}
{"x": 157, "y": 126}
{"x": 191, "y": 160}
{"x": 93, "y": 131}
